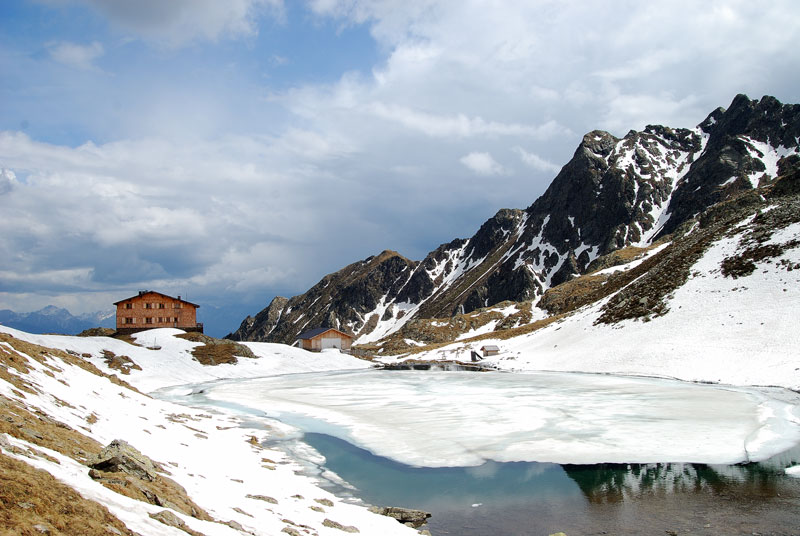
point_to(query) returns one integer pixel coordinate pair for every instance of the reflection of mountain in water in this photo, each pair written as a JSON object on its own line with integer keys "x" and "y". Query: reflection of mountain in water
{"x": 383, "y": 481}
{"x": 611, "y": 483}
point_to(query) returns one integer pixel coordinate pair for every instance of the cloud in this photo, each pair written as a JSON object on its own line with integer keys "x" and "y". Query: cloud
{"x": 535, "y": 161}
{"x": 460, "y": 125}
{"x": 76, "y": 55}
{"x": 178, "y": 22}
{"x": 8, "y": 181}
{"x": 482, "y": 164}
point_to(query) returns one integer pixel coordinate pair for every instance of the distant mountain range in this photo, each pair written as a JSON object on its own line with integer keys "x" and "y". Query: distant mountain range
{"x": 52, "y": 319}
{"x": 614, "y": 193}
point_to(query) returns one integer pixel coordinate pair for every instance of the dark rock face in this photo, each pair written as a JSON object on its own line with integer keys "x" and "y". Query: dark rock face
{"x": 613, "y": 193}
{"x": 733, "y": 159}
{"x": 345, "y": 300}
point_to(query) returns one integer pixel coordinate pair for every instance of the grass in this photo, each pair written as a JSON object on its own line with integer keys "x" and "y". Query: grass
{"x": 33, "y": 502}
{"x": 216, "y": 351}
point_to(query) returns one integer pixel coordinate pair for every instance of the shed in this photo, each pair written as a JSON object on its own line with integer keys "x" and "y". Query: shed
{"x": 318, "y": 339}
{"x": 490, "y": 349}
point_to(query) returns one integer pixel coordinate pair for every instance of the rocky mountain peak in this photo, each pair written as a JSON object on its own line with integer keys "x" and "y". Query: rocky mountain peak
{"x": 597, "y": 144}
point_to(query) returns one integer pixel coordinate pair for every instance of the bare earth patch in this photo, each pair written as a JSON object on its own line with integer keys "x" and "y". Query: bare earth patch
{"x": 216, "y": 351}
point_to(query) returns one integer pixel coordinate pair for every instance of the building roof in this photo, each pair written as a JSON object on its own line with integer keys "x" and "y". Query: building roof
{"x": 311, "y": 333}
{"x": 145, "y": 292}
{"x": 491, "y": 348}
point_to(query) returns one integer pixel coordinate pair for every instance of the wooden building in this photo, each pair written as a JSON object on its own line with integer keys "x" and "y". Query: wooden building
{"x": 490, "y": 350}
{"x": 316, "y": 340}
{"x": 149, "y": 309}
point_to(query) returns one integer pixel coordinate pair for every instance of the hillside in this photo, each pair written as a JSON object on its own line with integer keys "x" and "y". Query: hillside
{"x": 717, "y": 303}
{"x": 614, "y": 193}
{"x": 83, "y": 452}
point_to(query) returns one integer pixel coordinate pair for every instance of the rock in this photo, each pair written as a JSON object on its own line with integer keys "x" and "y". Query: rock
{"x": 97, "y": 332}
{"x": 30, "y": 433}
{"x": 168, "y": 518}
{"x": 334, "y": 525}
{"x": 407, "y": 516}
{"x": 120, "y": 457}
{"x": 264, "y": 498}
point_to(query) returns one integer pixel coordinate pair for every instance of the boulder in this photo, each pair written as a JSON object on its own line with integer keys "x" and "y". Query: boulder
{"x": 407, "y": 516}
{"x": 120, "y": 457}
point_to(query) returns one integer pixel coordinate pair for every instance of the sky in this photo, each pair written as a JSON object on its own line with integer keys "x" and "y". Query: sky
{"x": 233, "y": 151}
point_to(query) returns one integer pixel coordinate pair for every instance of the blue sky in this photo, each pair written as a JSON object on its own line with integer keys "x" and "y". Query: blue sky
{"x": 232, "y": 151}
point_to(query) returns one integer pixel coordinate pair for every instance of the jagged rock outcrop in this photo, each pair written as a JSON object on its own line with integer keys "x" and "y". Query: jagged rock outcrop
{"x": 745, "y": 145}
{"x": 613, "y": 193}
{"x": 350, "y": 300}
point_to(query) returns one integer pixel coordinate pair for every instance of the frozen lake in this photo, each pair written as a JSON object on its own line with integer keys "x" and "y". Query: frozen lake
{"x": 457, "y": 419}
{"x": 510, "y": 454}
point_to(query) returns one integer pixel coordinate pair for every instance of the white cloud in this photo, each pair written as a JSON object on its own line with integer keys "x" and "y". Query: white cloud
{"x": 535, "y": 161}
{"x": 482, "y": 164}
{"x": 8, "y": 181}
{"x": 460, "y": 125}
{"x": 76, "y": 55}
{"x": 177, "y": 22}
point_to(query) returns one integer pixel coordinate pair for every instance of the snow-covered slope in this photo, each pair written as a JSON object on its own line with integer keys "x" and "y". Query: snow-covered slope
{"x": 245, "y": 488}
{"x": 734, "y": 320}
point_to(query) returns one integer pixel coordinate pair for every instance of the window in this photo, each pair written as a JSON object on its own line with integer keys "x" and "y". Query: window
{"x": 162, "y": 306}
{"x": 128, "y": 320}
{"x": 129, "y": 305}
{"x": 148, "y": 320}
{"x": 148, "y": 305}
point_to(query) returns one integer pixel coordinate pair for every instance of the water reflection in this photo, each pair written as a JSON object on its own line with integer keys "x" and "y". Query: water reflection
{"x": 613, "y": 483}
{"x": 534, "y": 498}
{"x": 384, "y": 482}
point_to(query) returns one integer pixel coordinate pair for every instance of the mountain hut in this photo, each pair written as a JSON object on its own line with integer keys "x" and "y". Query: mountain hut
{"x": 149, "y": 310}
{"x": 318, "y": 339}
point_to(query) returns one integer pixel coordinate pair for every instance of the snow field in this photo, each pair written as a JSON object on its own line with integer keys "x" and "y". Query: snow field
{"x": 210, "y": 455}
{"x": 741, "y": 331}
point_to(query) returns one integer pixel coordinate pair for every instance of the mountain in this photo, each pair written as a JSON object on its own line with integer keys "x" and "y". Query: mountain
{"x": 52, "y": 319}
{"x": 614, "y": 193}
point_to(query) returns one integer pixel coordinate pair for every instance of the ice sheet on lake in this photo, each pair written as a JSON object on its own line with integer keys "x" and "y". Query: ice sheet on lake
{"x": 464, "y": 418}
